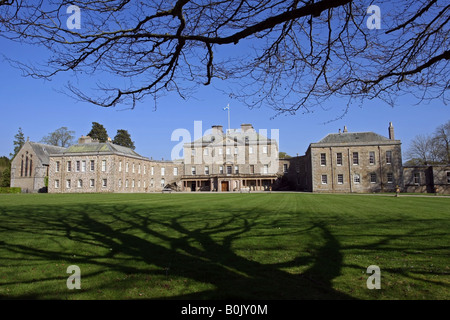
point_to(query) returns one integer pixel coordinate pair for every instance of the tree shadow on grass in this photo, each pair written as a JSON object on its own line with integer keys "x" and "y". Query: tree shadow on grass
{"x": 182, "y": 244}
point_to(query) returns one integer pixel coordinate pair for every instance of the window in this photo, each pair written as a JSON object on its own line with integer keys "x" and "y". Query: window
{"x": 236, "y": 169}
{"x": 120, "y": 183}
{"x": 228, "y": 151}
{"x": 373, "y": 178}
{"x": 221, "y": 169}
{"x": 31, "y": 166}
{"x": 152, "y": 182}
{"x": 57, "y": 166}
{"x": 126, "y": 183}
{"x": 340, "y": 179}
{"x": 339, "y": 159}
{"x": 323, "y": 159}
{"x": 193, "y": 171}
{"x": 83, "y": 166}
{"x": 120, "y": 166}
{"x": 206, "y": 170}
{"x": 26, "y": 166}
{"x": 448, "y": 176}
{"x": 104, "y": 183}
{"x": 285, "y": 168}
{"x": 21, "y": 168}
{"x": 250, "y": 150}
{"x": 356, "y": 178}
{"x": 175, "y": 171}
{"x": 78, "y": 165}
{"x": 126, "y": 167}
{"x": 193, "y": 152}
{"x": 132, "y": 183}
{"x": 205, "y": 152}
{"x": 324, "y": 179}
{"x": 56, "y": 184}
{"x": 80, "y": 183}
{"x": 265, "y": 149}
{"x": 388, "y": 157}
{"x": 139, "y": 183}
{"x": 163, "y": 182}
{"x": 266, "y": 169}
{"x": 390, "y": 177}
{"x": 145, "y": 170}
{"x": 68, "y": 184}
{"x": 152, "y": 171}
{"x": 236, "y": 150}
{"x": 355, "y": 158}
{"x": 69, "y": 166}
{"x": 229, "y": 169}
{"x": 220, "y": 151}
{"x": 252, "y": 168}
{"x": 93, "y": 165}
{"x": 92, "y": 182}
{"x": 371, "y": 157}
{"x": 139, "y": 168}
{"x": 163, "y": 171}
{"x": 132, "y": 168}
{"x": 103, "y": 165}
{"x": 417, "y": 178}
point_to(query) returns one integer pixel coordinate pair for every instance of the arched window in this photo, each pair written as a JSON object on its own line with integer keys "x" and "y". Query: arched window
{"x": 31, "y": 166}
{"x": 26, "y": 166}
{"x": 21, "y": 167}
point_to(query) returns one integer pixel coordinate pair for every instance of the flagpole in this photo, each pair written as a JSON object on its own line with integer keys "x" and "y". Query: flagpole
{"x": 229, "y": 118}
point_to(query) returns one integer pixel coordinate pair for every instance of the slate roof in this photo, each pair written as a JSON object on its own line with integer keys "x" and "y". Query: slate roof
{"x": 352, "y": 137}
{"x": 236, "y": 136}
{"x": 43, "y": 151}
{"x": 359, "y": 138}
{"x": 99, "y": 147}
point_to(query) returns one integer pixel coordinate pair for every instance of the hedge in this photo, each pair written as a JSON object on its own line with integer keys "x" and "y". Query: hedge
{"x": 10, "y": 190}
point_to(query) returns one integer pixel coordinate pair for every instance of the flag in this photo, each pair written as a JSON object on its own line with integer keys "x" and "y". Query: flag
{"x": 227, "y": 107}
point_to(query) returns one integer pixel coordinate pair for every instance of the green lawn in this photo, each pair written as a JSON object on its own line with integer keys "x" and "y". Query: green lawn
{"x": 224, "y": 246}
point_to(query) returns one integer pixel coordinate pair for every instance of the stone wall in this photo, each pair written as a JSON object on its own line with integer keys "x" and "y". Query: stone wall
{"x": 363, "y": 176}
{"x": 110, "y": 173}
{"x": 21, "y": 177}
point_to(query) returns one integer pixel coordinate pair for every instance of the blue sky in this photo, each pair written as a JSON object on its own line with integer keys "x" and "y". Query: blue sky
{"x": 38, "y": 108}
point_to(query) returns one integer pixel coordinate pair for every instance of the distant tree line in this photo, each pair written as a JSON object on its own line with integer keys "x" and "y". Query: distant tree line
{"x": 430, "y": 149}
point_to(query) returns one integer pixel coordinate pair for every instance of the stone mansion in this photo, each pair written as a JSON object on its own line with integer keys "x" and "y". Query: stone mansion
{"x": 239, "y": 160}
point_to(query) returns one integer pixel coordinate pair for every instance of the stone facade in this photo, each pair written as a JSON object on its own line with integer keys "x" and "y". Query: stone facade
{"x": 427, "y": 179}
{"x": 237, "y": 160}
{"x": 105, "y": 167}
{"x": 353, "y": 162}
{"x": 29, "y": 168}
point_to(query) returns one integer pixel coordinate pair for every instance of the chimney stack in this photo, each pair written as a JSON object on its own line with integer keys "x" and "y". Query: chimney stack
{"x": 391, "y": 131}
{"x": 245, "y": 127}
{"x": 345, "y": 129}
{"x": 217, "y": 130}
{"x": 84, "y": 139}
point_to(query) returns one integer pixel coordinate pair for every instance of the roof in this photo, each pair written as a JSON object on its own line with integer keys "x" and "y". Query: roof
{"x": 247, "y": 137}
{"x": 101, "y": 147}
{"x": 43, "y": 151}
{"x": 358, "y": 138}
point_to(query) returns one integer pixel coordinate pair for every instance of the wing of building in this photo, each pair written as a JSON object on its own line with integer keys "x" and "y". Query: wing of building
{"x": 30, "y": 167}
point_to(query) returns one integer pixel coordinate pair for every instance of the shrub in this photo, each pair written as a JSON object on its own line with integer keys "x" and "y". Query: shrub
{"x": 10, "y": 190}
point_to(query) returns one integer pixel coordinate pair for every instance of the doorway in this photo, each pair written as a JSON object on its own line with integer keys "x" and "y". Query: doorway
{"x": 225, "y": 186}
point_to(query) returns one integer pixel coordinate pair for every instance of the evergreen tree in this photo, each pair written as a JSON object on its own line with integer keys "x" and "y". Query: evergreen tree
{"x": 18, "y": 143}
{"x": 98, "y": 132}
{"x": 5, "y": 180}
{"x": 123, "y": 138}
